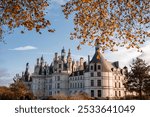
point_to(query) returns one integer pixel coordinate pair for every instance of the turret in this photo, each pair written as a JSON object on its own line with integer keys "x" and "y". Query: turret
{"x": 69, "y": 60}
{"x": 97, "y": 45}
{"x": 26, "y": 75}
{"x": 41, "y": 68}
{"x": 56, "y": 56}
{"x": 125, "y": 70}
{"x": 42, "y": 60}
{"x": 38, "y": 62}
{"x": 63, "y": 54}
{"x": 81, "y": 63}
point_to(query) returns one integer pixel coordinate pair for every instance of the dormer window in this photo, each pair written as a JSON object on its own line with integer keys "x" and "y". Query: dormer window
{"x": 59, "y": 65}
{"x": 91, "y": 67}
{"x": 99, "y": 67}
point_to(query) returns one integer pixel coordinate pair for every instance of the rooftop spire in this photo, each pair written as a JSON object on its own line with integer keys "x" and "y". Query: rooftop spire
{"x": 97, "y": 46}
{"x": 63, "y": 50}
{"x": 69, "y": 52}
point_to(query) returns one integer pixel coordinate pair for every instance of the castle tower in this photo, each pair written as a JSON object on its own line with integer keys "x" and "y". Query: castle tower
{"x": 26, "y": 75}
{"x": 69, "y": 61}
{"x": 42, "y": 60}
{"x": 38, "y": 61}
{"x": 41, "y": 66}
{"x": 63, "y": 54}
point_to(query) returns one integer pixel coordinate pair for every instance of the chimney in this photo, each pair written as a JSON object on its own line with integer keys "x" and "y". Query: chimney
{"x": 56, "y": 56}
{"x": 38, "y": 61}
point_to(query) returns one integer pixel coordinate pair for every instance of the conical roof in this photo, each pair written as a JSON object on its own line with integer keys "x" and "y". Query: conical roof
{"x": 98, "y": 58}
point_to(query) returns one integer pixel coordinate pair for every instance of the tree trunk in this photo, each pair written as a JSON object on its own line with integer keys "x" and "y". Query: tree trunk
{"x": 140, "y": 93}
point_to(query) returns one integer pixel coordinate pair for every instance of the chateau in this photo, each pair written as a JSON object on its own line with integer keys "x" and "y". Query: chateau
{"x": 96, "y": 77}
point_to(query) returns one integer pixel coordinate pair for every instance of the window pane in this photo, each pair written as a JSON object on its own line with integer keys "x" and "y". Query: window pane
{"x": 92, "y": 74}
{"x": 59, "y": 65}
{"x": 92, "y": 93}
{"x": 99, "y": 74}
{"x": 99, "y": 67}
{"x": 99, "y": 83}
{"x": 92, "y": 82}
{"x": 91, "y": 67}
{"x": 99, "y": 93}
{"x": 116, "y": 93}
{"x": 58, "y": 85}
{"x": 119, "y": 93}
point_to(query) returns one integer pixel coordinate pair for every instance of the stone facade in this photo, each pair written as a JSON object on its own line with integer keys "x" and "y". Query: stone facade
{"x": 96, "y": 77}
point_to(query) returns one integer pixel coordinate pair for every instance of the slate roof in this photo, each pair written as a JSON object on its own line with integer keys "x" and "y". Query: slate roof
{"x": 106, "y": 65}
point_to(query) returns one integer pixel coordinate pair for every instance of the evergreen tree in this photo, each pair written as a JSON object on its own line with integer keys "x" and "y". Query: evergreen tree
{"x": 137, "y": 77}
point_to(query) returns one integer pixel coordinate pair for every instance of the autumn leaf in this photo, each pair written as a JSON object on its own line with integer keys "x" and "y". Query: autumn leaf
{"x": 29, "y": 14}
{"x": 115, "y": 22}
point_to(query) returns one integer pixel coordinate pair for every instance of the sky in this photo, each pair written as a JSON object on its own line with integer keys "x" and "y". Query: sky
{"x": 22, "y": 48}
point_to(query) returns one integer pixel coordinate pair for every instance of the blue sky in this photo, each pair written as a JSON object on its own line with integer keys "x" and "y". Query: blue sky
{"x": 27, "y": 47}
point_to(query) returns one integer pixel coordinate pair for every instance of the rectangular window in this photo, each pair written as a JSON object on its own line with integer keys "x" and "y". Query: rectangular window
{"x": 99, "y": 93}
{"x": 75, "y": 85}
{"x": 119, "y": 85}
{"x": 80, "y": 85}
{"x": 59, "y": 65}
{"x": 50, "y": 80}
{"x": 116, "y": 93}
{"x": 50, "y": 93}
{"x": 98, "y": 83}
{"x": 92, "y": 83}
{"x": 99, "y": 74}
{"x": 58, "y": 85}
{"x": 70, "y": 85}
{"x": 99, "y": 67}
{"x": 119, "y": 93}
{"x": 58, "y": 78}
{"x": 92, "y": 74}
{"x": 91, "y": 67}
{"x": 92, "y": 93}
{"x": 50, "y": 87}
{"x": 115, "y": 85}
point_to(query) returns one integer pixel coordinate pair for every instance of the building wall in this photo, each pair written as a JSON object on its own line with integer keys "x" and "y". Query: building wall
{"x": 38, "y": 85}
{"x": 95, "y": 80}
{"x": 76, "y": 84}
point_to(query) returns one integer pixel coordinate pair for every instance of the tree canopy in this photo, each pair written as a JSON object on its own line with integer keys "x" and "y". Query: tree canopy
{"x": 138, "y": 78}
{"x": 16, "y": 91}
{"x": 112, "y": 22}
{"x": 26, "y": 13}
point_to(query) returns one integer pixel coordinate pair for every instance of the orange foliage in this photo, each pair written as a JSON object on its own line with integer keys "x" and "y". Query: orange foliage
{"x": 113, "y": 22}
{"x": 27, "y": 13}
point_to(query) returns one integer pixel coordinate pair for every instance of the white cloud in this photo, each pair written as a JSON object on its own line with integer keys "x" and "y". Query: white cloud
{"x": 146, "y": 53}
{"x": 125, "y": 56}
{"x": 24, "y": 48}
